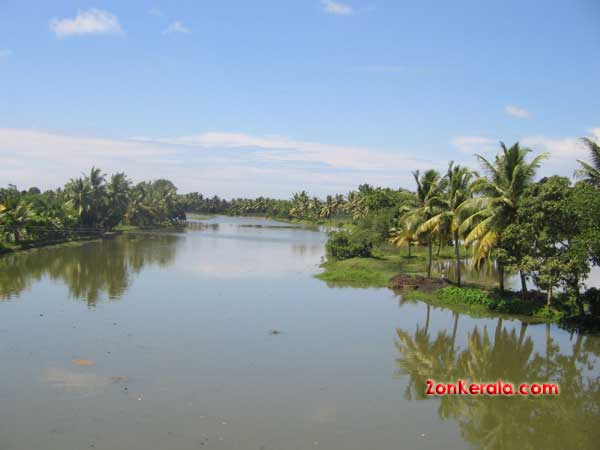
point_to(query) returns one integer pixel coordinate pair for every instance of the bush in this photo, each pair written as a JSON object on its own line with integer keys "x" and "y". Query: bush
{"x": 466, "y": 296}
{"x": 345, "y": 245}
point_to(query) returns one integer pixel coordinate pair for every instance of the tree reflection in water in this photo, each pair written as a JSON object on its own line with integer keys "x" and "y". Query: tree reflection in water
{"x": 568, "y": 421}
{"x": 90, "y": 269}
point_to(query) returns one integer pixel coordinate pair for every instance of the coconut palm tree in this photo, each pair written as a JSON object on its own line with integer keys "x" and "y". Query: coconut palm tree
{"x": 495, "y": 208}
{"x": 427, "y": 197}
{"x": 457, "y": 183}
{"x": 118, "y": 199}
{"x": 403, "y": 234}
{"x": 591, "y": 171}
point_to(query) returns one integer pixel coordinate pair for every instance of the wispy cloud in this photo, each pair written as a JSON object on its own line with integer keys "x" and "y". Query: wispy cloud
{"x": 338, "y": 8}
{"x": 230, "y": 164}
{"x": 474, "y": 144}
{"x": 155, "y": 12}
{"x": 562, "y": 151}
{"x": 5, "y": 52}
{"x": 91, "y": 21}
{"x": 176, "y": 27}
{"x": 518, "y": 112}
{"x": 240, "y": 164}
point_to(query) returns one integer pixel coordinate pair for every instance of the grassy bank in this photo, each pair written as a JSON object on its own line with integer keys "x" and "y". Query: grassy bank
{"x": 386, "y": 262}
{"x": 6, "y": 248}
{"x": 10, "y": 247}
{"x": 474, "y": 298}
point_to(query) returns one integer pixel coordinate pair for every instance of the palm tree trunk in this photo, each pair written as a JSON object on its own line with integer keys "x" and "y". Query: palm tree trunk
{"x": 522, "y": 333}
{"x": 430, "y": 249}
{"x": 454, "y": 329}
{"x": 457, "y": 255}
{"x": 523, "y": 284}
{"x": 498, "y": 333}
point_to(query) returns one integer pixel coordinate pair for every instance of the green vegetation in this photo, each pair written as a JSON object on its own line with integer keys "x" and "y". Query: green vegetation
{"x": 376, "y": 271}
{"x": 545, "y": 231}
{"x": 86, "y": 208}
{"x": 344, "y": 244}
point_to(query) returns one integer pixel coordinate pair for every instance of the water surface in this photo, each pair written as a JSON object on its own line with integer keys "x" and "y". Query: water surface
{"x": 179, "y": 329}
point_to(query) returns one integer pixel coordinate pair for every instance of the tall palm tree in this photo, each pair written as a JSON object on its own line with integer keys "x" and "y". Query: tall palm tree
{"x": 457, "y": 183}
{"x": 591, "y": 171}
{"x": 118, "y": 199}
{"x": 427, "y": 199}
{"x": 495, "y": 208}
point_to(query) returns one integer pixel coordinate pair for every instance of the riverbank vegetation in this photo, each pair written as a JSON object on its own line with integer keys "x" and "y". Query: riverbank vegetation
{"x": 85, "y": 208}
{"x": 543, "y": 230}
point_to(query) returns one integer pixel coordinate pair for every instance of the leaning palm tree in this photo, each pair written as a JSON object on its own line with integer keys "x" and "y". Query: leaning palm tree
{"x": 495, "y": 208}
{"x": 591, "y": 171}
{"x": 426, "y": 201}
{"x": 457, "y": 182}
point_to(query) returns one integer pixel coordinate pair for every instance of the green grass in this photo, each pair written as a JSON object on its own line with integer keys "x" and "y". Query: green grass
{"x": 475, "y": 299}
{"x": 376, "y": 271}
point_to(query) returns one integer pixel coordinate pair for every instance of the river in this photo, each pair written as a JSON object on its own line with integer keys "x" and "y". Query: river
{"x": 220, "y": 337}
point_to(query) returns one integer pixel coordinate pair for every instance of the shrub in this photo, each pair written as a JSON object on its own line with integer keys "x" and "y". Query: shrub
{"x": 345, "y": 244}
{"x": 467, "y": 296}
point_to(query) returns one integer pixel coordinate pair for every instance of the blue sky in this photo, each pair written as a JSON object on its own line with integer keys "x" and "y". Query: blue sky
{"x": 268, "y": 97}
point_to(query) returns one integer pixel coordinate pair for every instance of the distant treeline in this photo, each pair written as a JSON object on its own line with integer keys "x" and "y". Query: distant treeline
{"x": 545, "y": 230}
{"x": 86, "y": 206}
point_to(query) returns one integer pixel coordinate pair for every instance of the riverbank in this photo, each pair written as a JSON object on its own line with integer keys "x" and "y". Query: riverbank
{"x": 476, "y": 298}
{"x": 10, "y": 248}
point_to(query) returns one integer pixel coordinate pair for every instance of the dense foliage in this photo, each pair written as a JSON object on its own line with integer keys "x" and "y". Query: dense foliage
{"x": 345, "y": 245}
{"x": 546, "y": 231}
{"x": 86, "y": 206}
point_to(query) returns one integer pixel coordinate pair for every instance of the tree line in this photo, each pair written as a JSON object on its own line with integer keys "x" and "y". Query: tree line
{"x": 546, "y": 230}
{"x": 86, "y": 206}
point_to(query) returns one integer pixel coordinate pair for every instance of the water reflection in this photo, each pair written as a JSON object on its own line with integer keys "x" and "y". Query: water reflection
{"x": 507, "y": 353}
{"x": 488, "y": 274}
{"x": 89, "y": 270}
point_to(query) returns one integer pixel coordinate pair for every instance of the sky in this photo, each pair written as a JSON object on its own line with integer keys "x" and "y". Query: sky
{"x": 268, "y": 97}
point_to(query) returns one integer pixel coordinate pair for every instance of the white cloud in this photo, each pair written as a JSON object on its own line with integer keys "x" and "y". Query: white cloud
{"x": 156, "y": 12}
{"x": 239, "y": 164}
{"x": 5, "y": 52}
{"x": 340, "y": 9}
{"x": 281, "y": 148}
{"x": 91, "y": 21}
{"x": 562, "y": 152}
{"x": 176, "y": 27}
{"x": 474, "y": 144}
{"x": 515, "y": 111}
{"x": 227, "y": 164}
{"x": 595, "y": 134}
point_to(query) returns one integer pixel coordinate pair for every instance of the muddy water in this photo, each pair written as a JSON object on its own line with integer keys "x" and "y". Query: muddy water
{"x": 220, "y": 337}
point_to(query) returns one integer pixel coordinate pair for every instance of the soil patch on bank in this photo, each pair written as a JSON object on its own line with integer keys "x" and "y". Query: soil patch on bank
{"x": 417, "y": 282}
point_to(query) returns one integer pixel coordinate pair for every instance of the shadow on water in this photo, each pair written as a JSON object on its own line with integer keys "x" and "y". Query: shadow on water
{"x": 90, "y": 269}
{"x": 507, "y": 353}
